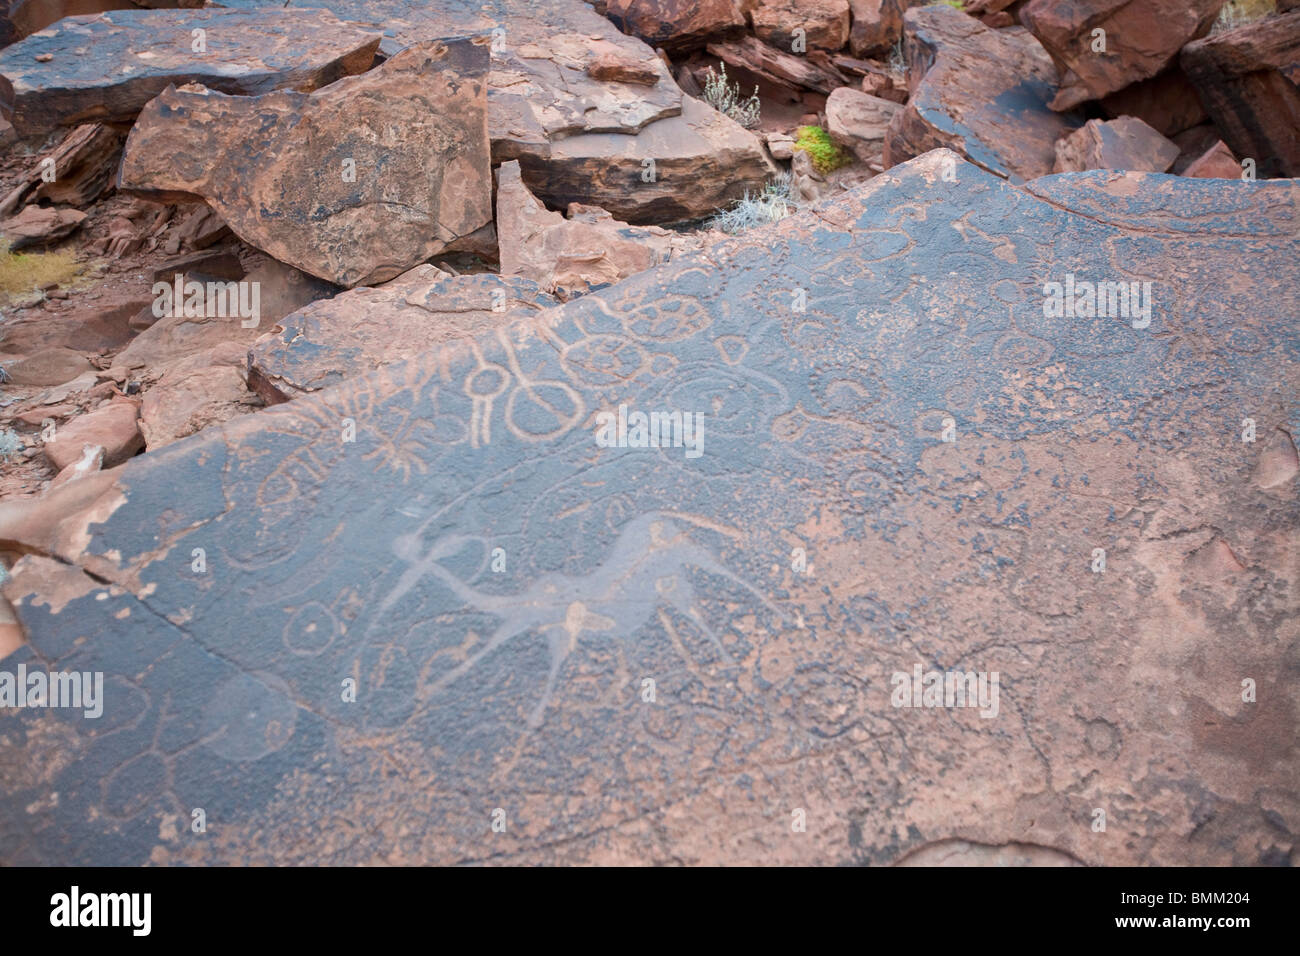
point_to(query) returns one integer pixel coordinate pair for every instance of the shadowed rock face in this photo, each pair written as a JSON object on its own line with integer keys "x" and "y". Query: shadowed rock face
{"x": 1249, "y": 81}
{"x": 107, "y": 67}
{"x": 354, "y": 184}
{"x": 774, "y": 669}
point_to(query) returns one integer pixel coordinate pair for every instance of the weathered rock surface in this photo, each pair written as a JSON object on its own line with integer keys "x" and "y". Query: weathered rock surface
{"x": 569, "y": 256}
{"x": 678, "y": 26}
{"x": 1249, "y": 81}
{"x": 1167, "y": 103}
{"x": 333, "y": 340}
{"x": 859, "y": 121}
{"x": 1140, "y": 39}
{"x": 522, "y": 688}
{"x": 980, "y": 92}
{"x": 579, "y": 136}
{"x": 93, "y": 326}
{"x": 1125, "y": 143}
{"x": 21, "y": 18}
{"x": 682, "y": 167}
{"x": 185, "y": 400}
{"x": 355, "y": 183}
{"x": 106, "y": 67}
{"x": 825, "y": 23}
{"x": 114, "y": 427}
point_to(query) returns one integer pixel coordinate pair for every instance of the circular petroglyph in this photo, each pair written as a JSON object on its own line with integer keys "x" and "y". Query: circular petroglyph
{"x": 311, "y": 630}
{"x": 250, "y": 715}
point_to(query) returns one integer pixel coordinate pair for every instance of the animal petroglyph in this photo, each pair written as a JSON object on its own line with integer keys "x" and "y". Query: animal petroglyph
{"x": 647, "y": 566}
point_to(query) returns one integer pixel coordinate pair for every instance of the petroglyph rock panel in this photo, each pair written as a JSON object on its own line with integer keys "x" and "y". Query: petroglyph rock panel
{"x": 908, "y": 463}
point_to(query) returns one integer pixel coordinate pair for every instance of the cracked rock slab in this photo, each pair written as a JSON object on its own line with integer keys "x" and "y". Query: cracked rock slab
{"x": 914, "y": 472}
{"x": 106, "y": 67}
{"x": 333, "y": 340}
{"x": 978, "y": 91}
{"x": 355, "y": 183}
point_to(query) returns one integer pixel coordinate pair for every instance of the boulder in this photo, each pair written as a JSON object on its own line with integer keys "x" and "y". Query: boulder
{"x": 185, "y": 401}
{"x": 465, "y": 531}
{"x": 50, "y": 80}
{"x": 981, "y": 92}
{"x": 1216, "y": 163}
{"x": 1124, "y": 143}
{"x": 1138, "y": 40}
{"x": 582, "y": 137}
{"x": 825, "y": 23}
{"x": 1249, "y": 80}
{"x": 51, "y": 365}
{"x": 354, "y": 184}
{"x": 113, "y": 427}
{"x": 569, "y": 256}
{"x": 877, "y": 25}
{"x": 859, "y": 121}
{"x": 676, "y": 26}
{"x": 41, "y": 226}
{"x": 701, "y": 160}
{"x": 334, "y": 340}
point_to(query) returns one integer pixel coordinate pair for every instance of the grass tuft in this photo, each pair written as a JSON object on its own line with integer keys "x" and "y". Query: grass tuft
{"x": 817, "y": 143}
{"x": 772, "y": 204}
{"x": 25, "y": 272}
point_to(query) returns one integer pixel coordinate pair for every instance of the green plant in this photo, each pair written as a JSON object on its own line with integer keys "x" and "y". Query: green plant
{"x": 772, "y": 204}
{"x": 724, "y": 97}
{"x": 817, "y": 143}
{"x": 955, "y": 4}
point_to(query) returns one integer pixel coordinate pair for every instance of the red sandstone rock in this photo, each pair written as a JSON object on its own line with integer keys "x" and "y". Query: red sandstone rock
{"x": 859, "y": 121}
{"x": 355, "y": 183}
{"x": 113, "y": 427}
{"x": 678, "y": 26}
{"x": 824, "y": 23}
{"x": 1140, "y": 39}
{"x": 1126, "y": 143}
{"x": 1216, "y": 163}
